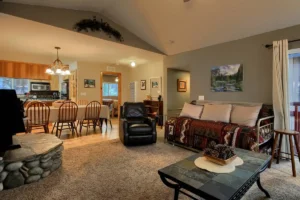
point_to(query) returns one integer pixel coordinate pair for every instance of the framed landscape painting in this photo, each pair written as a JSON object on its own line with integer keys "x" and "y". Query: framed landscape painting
{"x": 227, "y": 78}
{"x": 89, "y": 83}
{"x": 155, "y": 87}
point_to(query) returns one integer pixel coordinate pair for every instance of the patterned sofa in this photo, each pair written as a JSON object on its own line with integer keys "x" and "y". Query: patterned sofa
{"x": 196, "y": 134}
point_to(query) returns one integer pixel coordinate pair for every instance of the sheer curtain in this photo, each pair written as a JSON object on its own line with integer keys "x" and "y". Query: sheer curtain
{"x": 294, "y": 81}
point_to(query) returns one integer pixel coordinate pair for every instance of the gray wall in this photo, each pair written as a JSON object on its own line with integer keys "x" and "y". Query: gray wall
{"x": 177, "y": 99}
{"x": 256, "y": 60}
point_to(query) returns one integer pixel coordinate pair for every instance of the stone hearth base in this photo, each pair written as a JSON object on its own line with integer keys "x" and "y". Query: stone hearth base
{"x": 39, "y": 156}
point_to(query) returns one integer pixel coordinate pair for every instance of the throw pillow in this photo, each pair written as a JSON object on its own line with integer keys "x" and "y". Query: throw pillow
{"x": 243, "y": 115}
{"x": 216, "y": 112}
{"x": 192, "y": 111}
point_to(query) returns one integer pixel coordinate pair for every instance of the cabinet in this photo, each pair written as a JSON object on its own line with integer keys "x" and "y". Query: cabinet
{"x": 23, "y": 70}
{"x": 155, "y": 110}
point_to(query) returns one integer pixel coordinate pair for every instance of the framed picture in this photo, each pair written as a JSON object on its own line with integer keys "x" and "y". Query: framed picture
{"x": 143, "y": 84}
{"x": 155, "y": 87}
{"x": 181, "y": 85}
{"x": 227, "y": 78}
{"x": 89, "y": 83}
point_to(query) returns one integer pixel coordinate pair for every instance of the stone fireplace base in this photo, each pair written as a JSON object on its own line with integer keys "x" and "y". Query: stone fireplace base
{"x": 39, "y": 156}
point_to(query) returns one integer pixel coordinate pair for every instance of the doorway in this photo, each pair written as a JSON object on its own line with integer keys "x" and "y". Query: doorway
{"x": 111, "y": 91}
{"x": 176, "y": 96}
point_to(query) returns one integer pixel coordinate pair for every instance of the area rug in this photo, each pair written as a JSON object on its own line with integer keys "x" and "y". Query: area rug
{"x": 108, "y": 170}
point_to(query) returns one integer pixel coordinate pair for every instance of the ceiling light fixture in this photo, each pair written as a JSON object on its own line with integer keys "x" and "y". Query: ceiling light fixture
{"x": 57, "y": 67}
{"x": 117, "y": 79}
{"x": 132, "y": 64}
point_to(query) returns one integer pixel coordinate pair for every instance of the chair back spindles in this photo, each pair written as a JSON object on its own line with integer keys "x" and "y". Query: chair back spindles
{"x": 38, "y": 115}
{"x": 92, "y": 110}
{"x": 67, "y": 115}
{"x": 91, "y": 116}
{"x": 67, "y": 112}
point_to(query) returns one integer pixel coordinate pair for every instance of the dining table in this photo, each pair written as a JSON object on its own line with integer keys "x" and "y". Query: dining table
{"x": 104, "y": 114}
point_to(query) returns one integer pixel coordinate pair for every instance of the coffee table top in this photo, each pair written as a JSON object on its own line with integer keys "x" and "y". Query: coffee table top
{"x": 218, "y": 186}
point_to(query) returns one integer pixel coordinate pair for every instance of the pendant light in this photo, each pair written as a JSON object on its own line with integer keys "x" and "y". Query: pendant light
{"x": 57, "y": 67}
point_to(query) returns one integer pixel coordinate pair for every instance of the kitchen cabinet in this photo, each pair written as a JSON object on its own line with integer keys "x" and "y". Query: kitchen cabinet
{"x": 12, "y": 69}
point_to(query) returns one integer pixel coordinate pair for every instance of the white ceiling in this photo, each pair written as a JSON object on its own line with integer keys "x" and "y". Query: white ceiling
{"x": 32, "y": 38}
{"x": 191, "y": 25}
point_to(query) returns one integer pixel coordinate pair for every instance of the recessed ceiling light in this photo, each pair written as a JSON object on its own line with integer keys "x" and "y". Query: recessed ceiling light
{"x": 132, "y": 64}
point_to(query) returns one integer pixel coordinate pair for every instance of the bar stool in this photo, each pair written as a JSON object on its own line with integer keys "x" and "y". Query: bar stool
{"x": 290, "y": 134}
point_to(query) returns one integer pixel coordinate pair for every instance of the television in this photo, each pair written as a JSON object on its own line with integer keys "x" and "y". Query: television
{"x": 11, "y": 118}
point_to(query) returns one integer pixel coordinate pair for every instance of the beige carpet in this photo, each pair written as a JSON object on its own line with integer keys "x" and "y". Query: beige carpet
{"x": 108, "y": 170}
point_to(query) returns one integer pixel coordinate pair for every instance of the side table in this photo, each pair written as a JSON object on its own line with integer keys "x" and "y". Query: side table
{"x": 290, "y": 134}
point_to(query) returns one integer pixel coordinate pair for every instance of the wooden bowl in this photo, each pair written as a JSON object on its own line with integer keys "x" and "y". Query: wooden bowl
{"x": 220, "y": 161}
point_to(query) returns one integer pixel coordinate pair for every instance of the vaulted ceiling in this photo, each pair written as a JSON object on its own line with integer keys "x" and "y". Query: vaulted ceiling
{"x": 173, "y": 26}
{"x": 28, "y": 37}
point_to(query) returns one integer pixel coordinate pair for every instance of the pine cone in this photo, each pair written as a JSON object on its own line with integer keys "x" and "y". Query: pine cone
{"x": 215, "y": 153}
{"x": 208, "y": 151}
{"x": 212, "y": 144}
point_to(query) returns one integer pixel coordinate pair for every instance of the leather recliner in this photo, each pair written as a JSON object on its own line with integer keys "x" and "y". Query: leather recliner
{"x": 135, "y": 127}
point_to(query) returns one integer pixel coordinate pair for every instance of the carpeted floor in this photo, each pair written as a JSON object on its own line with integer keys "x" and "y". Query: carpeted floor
{"x": 108, "y": 170}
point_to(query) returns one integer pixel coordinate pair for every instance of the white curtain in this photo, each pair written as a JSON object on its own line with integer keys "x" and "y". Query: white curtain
{"x": 280, "y": 89}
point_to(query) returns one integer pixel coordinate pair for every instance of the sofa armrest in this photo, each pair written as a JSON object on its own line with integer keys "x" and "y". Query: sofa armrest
{"x": 265, "y": 128}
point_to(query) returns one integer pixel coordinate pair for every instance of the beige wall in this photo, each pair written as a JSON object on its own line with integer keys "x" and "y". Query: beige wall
{"x": 67, "y": 19}
{"x": 256, "y": 60}
{"x": 145, "y": 72}
{"x": 88, "y": 70}
{"x": 177, "y": 99}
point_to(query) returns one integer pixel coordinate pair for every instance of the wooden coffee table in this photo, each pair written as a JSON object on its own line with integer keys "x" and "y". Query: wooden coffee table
{"x": 195, "y": 182}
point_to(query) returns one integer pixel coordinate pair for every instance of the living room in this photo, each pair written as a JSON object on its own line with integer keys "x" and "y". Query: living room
{"x": 217, "y": 83}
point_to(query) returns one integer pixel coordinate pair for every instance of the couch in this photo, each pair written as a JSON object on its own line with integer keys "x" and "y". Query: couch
{"x": 135, "y": 127}
{"x": 196, "y": 134}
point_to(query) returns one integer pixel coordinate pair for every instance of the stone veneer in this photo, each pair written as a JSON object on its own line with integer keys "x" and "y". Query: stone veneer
{"x": 39, "y": 156}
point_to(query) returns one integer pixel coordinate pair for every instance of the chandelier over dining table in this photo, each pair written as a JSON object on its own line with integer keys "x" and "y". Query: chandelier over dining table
{"x": 57, "y": 67}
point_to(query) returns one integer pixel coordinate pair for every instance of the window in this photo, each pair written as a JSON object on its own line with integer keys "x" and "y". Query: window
{"x": 110, "y": 89}
{"x": 294, "y": 82}
{"x": 6, "y": 83}
{"x": 20, "y": 85}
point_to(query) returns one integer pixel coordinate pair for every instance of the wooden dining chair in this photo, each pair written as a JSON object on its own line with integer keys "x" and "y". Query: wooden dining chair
{"x": 67, "y": 115}
{"x": 82, "y": 102}
{"x": 37, "y": 116}
{"x": 91, "y": 117}
{"x": 109, "y": 103}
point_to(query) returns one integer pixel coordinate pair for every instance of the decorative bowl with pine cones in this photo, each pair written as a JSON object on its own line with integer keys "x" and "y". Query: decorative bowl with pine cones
{"x": 219, "y": 154}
